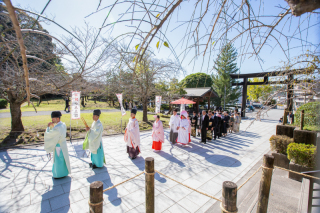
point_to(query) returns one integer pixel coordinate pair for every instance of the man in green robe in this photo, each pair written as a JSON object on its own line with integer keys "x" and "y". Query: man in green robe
{"x": 55, "y": 141}
{"x": 93, "y": 141}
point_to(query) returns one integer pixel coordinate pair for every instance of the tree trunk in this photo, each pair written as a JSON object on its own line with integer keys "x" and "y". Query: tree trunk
{"x": 16, "y": 122}
{"x": 40, "y": 100}
{"x": 112, "y": 102}
{"x": 95, "y": 100}
{"x": 145, "y": 110}
{"x": 82, "y": 101}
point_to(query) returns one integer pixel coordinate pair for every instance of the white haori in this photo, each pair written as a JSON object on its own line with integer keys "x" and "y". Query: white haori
{"x": 183, "y": 133}
{"x": 174, "y": 122}
{"x": 54, "y": 136}
{"x": 132, "y": 134}
{"x": 95, "y": 136}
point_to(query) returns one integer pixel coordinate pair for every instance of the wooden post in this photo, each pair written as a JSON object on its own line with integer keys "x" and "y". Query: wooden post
{"x": 96, "y": 197}
{"x": 149, "y": 167}
{"x": 229, "y": 197}
{"x": 265, "y": 183}
{"x": 302, "y": 120}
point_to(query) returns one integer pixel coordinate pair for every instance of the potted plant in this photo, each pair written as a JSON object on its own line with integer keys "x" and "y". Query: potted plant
{"x": 279, "y": 144}
{"x": 302, "y": 158}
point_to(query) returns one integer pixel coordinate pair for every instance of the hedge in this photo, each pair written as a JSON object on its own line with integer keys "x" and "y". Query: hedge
{"x": 279, "y": 143}
{"x": 302, "y": 154}
{"x": 3, "y": 103}
{"x": 311, "y": 114}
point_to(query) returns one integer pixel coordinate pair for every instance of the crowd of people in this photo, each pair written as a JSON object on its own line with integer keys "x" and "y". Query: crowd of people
{"x": 209, "y": 125}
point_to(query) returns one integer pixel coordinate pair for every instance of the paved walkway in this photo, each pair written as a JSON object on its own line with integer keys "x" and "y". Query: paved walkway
{"x": 26, "y": 182}
{"x": 33, "y": 113}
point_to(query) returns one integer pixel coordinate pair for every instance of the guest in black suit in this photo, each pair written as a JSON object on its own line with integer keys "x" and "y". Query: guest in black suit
{"x": 204, "y": 126}
{"x": 217, "y": 124}
{"x": 194, "y": 122}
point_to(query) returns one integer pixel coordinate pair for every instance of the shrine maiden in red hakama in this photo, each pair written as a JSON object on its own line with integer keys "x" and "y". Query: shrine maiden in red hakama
{"x": 157, "y": 134}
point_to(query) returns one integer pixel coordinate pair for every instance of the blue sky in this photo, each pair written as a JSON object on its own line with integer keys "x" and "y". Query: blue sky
{"x": 72, "y": 14}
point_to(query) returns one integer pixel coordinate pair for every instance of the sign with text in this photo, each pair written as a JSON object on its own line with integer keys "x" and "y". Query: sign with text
{"x": 75, "y": 105}
{"x": 158, "y": 104}
{"x": 123, "y": 112}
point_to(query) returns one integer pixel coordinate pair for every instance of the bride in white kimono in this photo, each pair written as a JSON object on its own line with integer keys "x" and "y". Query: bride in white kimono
{"x": 55, "y": 141}
{"x": 132, "y": 136}
{"x": 183, "y": 133}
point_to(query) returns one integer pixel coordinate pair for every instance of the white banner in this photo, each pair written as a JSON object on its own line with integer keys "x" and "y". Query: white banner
{"x": 158, "y": 104}
{"x": 182, "y": 107}
{"x": 123, "y": 111}
{"x": 75, "y": 105}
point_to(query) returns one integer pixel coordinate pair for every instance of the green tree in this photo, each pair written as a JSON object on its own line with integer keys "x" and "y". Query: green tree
{"x": 197, "y": 80}
{"x": 255, "y": 92}
{"x": 222, "y": 83}
{"x": 169, "y": 90}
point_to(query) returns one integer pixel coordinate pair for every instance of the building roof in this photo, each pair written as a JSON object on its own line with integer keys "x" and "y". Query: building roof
{"x": 200, "y": 92}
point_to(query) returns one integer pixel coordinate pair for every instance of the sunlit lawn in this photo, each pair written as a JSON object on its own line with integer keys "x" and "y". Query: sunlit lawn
{"x": 59, "y": 104}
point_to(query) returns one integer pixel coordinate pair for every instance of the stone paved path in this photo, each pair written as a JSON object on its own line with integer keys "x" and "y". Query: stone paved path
{"x": 26, "y": 183}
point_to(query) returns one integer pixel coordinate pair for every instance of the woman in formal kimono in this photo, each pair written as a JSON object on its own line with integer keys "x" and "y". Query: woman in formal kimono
{"x": 189, "y": 128}
{"x": 93, "y": 141}
{"x": 236, "y": 122}
{"x": 157, "y": 134}
{"x": 55, "y": 141}
{"x": 183, "y": 133}
{"x": 199, "y": 123}
{"x": 132, "y": 136}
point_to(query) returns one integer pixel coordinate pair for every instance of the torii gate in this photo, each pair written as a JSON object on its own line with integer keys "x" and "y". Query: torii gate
{"x": 265, "y": 75}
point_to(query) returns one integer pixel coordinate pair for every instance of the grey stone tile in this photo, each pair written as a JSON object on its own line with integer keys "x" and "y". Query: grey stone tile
{"x": 162, "y": 203}
{"x": 115, "y": 206}
{"x": 177, "y": 209}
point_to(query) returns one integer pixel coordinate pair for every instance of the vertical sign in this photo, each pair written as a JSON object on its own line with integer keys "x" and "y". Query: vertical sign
{"x": 158, "y": 104}
{"x": 123, "y": 111}
{"x": 75, "y": 105}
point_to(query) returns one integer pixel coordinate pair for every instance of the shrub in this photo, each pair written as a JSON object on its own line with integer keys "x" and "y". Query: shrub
{"x": 151, "y": 109}
{"x": 3, "y": 103}
{"x": 164, "y": 106}
{"x": 279, "y": 143}
{"x": 311, "y": 114}
{"x": 312, "y": 128}
{"x": 302, "y": 154}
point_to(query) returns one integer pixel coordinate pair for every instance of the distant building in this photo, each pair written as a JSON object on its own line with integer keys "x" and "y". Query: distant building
{"x": 302, "y": 95}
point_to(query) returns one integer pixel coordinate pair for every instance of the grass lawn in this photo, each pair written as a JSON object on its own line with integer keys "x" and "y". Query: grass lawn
{"x": 36, "y": 125}
{"x": 59, "y": 104}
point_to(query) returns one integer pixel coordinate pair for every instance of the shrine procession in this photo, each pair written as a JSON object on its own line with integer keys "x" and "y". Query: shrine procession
{"x": 172, "y": 106}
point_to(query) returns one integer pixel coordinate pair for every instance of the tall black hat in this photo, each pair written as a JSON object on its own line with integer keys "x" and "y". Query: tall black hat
{"x": 134, "y": 111}
{"x": 97, "y": 112}
{"x": 56, "y": 114}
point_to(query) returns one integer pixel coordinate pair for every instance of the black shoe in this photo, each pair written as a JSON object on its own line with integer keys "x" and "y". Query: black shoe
{"x": 90, "y": 164}
{"x": 94, "y": 166}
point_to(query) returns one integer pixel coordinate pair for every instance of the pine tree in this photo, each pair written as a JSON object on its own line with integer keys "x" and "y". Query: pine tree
{"x": 225, "y": 65}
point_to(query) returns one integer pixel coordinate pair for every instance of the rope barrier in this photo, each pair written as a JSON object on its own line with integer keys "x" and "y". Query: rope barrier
{"x": 249, "y": 178}
{"x": 95, "y": 204}
{"x": 123, "y": 182}
{"x": 226, "y": 211}
{"x": 150, "y": 173}
{"x": 297, "y": 173}
{"x": 189, "y": 187}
